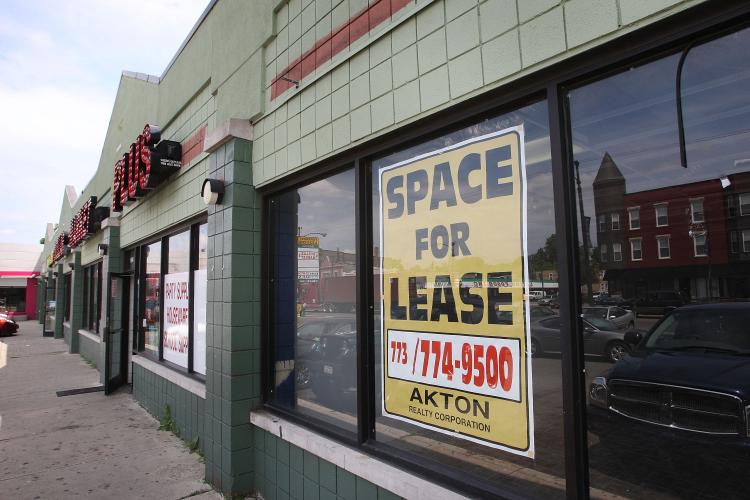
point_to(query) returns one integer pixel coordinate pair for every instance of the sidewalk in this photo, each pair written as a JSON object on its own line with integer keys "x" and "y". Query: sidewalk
{"x": 86, "y": 445}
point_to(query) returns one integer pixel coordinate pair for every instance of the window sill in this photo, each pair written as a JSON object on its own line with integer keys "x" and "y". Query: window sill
{"x": 188, "y": 383}
{"x": 90, "y": 335}
{"x": 365, "y": 466}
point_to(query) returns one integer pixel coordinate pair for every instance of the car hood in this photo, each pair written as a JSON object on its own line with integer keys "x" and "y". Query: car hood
{"x": 711, "y": 371}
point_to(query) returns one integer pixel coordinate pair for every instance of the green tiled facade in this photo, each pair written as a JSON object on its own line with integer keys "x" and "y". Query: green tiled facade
{"x": 233, "y": 314}
{"x": 284, "y": 471}
{"x": 93, "y": 352}
{"x": 187, "y": 409}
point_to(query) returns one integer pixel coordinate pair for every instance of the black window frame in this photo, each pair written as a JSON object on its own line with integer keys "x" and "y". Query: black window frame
{"x": 68, "y": 295}
{"x": 697, "y": 24}
{"x": 192, "y": 226}
{"x": 92, "y": 296}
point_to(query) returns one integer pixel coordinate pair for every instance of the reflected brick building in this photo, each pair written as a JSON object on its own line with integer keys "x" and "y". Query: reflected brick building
{"x": 693, "y": 238}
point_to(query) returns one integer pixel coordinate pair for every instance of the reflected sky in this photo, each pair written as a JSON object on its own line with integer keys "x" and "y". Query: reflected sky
{"x": 327, "y": 206}
{"x": 633, "y": 116}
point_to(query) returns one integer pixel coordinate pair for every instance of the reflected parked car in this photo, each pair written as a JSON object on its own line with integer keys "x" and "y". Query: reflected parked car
{"x": 311, "y": 331}
{"x": 685, "y": 387}
{"x": 622, "y": 318}
{"x": 601, "y": 338}
{"x": 614, "y": 300}
{"x": 659, "y": 303}
{"x": 538, "y": 312}
{"x": 547, "y": 300}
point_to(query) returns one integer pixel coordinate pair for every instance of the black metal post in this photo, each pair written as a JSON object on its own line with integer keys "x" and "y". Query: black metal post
{"x": 585, "y": 234}
{"x": 573, "y": 368}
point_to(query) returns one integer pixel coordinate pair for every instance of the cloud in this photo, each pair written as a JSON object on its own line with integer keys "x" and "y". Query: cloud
{"x": 60, "y": 65}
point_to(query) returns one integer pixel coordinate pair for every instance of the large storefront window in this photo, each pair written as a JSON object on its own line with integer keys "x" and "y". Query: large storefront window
{"x": 92, "y": 291}
{"x": 464, "y": 293}
{"x": 12, "y": 299}
{"x": 314, "y": 300}
{"x": 175, "y": 298}
{"x": 670, "y": 418}
{"x": 454, "y": 276}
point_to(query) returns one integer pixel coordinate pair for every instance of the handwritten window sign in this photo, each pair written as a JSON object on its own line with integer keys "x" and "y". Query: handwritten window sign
{"x": 176, "y": 317}
{"x": 453, "y": 278}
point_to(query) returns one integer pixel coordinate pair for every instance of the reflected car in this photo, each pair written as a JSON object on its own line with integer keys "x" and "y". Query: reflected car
{"x": 547, "y": 300}
{"x": 333, "y": 366}
{"x": 614, "y": 300}
{"x": 659, "y": 303}
{"x": 310, "y": 333}
{"x": 308, "y": 307}
{"x": 7, "y": 326}
{"x": 622, "y": 318}
{"x": 685, "y": 386}
{"x": 538, "y": 312}
{"x": 600, "y": 338}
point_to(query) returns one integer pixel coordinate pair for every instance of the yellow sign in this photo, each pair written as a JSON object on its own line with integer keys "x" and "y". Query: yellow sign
{"x": 453, "y": 278}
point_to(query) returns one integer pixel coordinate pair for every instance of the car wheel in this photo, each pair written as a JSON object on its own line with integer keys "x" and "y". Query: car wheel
{"x": 616, "y": 351}
{"x": 536, "y": 348}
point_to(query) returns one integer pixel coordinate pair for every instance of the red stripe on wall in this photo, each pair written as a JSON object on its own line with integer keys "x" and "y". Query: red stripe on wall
{"x": 193, "y": 145}
{"x": 336, "y": 41}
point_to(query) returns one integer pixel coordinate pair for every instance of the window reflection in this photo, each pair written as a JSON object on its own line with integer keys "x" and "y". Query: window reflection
{"x": 151, "y": 310}
{"x": 314, "y": 303}
{"x": 669, "y": 418}
{"x": 544, "y": 475}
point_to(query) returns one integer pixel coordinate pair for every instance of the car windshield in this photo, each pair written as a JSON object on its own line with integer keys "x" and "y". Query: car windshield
{"x": 708, "y": 329}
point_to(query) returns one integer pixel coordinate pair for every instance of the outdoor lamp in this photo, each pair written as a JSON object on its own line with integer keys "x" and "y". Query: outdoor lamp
{"x": 71, "y": 265}
{"x": 102, "y": 248}
{"x": 212, "y": 191}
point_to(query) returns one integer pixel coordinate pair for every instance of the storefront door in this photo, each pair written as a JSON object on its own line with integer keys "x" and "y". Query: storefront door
{"x": 116, "y": 339}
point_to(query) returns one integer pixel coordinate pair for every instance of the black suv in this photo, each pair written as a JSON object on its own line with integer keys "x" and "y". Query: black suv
{"x": 683, "y": 390}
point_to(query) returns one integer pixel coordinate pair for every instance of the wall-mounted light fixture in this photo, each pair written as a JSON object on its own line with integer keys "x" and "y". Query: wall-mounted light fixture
{"x": 71, "y": 265}
{"x": 102, "y": 248}
{"x": 212, "y": 191}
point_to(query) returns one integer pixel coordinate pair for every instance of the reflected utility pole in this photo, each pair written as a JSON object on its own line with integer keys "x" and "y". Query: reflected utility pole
{"x": 585, "y": 228}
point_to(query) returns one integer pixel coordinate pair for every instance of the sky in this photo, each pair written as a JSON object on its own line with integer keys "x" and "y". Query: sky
{"x": 60, "y": 66}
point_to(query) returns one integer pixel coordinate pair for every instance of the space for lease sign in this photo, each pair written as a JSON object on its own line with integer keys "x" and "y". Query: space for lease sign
{"x": 453, "y": 278}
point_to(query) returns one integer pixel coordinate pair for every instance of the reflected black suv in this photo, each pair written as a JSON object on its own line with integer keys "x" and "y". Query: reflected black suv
{"x": 684, "y": 389}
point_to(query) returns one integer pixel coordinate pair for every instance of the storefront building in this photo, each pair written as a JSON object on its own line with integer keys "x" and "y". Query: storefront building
{"x": 19, "y": 270}
{"x": 326, "y": 239}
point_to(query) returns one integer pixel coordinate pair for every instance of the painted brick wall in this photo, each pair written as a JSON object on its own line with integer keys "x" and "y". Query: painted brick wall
{"x": 429, "y": 55}
{"x": 284, "y": 471}
{"x": 186, "y": 408}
